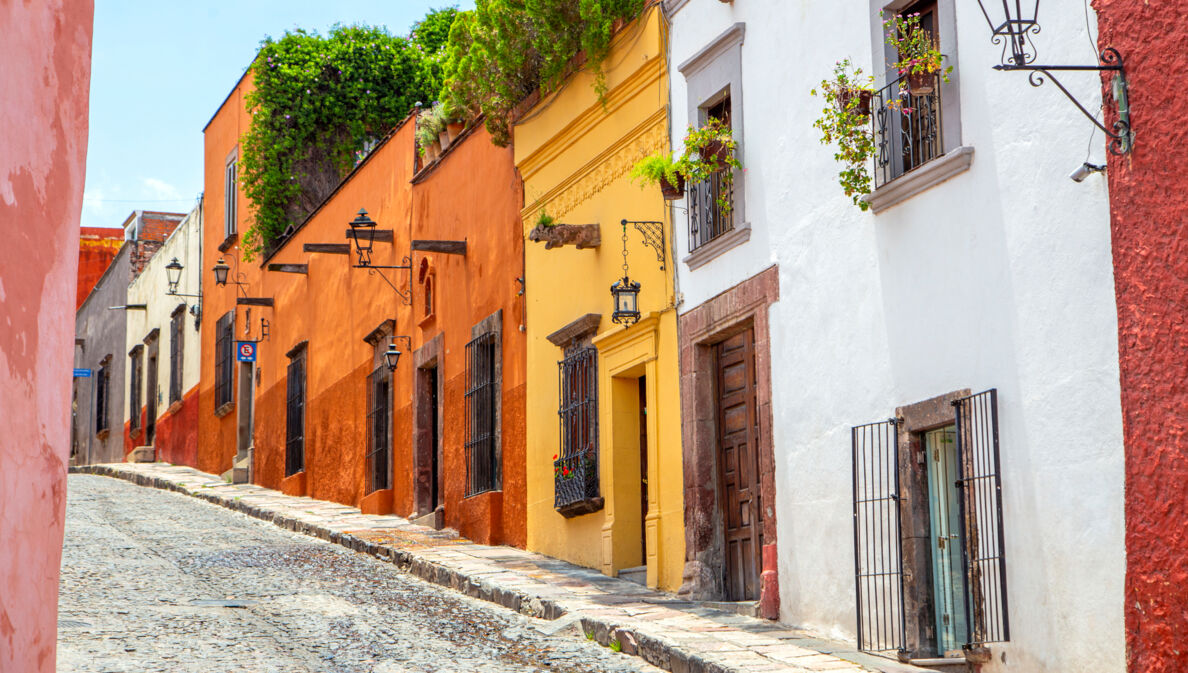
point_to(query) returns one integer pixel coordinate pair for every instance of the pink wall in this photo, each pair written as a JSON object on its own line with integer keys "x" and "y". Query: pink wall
{"x": 45, "y": 47}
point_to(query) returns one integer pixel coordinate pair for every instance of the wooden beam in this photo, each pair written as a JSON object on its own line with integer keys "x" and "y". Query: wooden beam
{"x": 381, "y": 235}
{"x": 289, "y": 268}
{"x": 254, "y": 301}
{"x": 329, "y": 248}
{"x": 444, "y": 247}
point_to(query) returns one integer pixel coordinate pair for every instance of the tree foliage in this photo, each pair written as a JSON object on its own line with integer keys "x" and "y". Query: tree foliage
{"x": 503, "y": 50}
{"x": 317, "y": 101}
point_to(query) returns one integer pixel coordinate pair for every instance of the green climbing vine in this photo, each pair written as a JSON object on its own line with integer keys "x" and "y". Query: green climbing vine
{"x": 318, "y": 100}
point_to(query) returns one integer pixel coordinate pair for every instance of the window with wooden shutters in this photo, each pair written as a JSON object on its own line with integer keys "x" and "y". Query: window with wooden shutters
{"x": 230, "y": 197}
{"x": 134, "y": 385}
{"x": 295, "y": 414}
{"x": 963, "y": 603}
{"x": 482, "y": 473}
{"x": 177, "y": 335}
{"x": 379, "y": 405}
{"x": 102, "y": 393}
{"x": 224, "y": 352}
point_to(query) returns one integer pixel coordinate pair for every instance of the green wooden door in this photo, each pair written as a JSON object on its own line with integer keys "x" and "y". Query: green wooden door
{"x": 952, "y": 631}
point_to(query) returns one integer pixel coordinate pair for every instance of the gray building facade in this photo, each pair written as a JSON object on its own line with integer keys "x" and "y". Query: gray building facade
{"x": 97, "y": 433}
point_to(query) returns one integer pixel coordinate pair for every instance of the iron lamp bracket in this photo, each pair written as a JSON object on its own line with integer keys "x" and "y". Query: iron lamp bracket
{"x": 653, "y": 236}
{"x": 405, "y": 292}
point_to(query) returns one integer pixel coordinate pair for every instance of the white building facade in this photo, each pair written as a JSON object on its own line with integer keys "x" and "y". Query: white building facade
{"x": 857, "y": 385}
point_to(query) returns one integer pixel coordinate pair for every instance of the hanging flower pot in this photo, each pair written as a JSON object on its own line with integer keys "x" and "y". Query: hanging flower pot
{"x": 672, "y": 191}
{"x": 715, "y": 151}
{"x": 862, "y": 97}
{"x": 921, "y": 83}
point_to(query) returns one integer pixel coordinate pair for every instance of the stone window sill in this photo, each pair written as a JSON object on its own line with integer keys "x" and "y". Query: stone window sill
{"x": 921, "y": 179}
{"x": 228, "y": 242}
{"x": 225, "y": 409}
{"x": 706, "y": 253}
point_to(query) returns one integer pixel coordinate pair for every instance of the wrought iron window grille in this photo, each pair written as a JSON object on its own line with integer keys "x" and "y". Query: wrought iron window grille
{"x": 224, "y": 354}
{"x": 176, "y": 350}
{"x": 295, "y": 415}
{"x": 575, "y": 470}
{"x": 878, "y": 531}
{"x": 379, "y": 404}
{"x": 482, "y": 470}
{"x": 134, "y": 390}
{"x": 708, "y": 219}
{"x": 102, "y": 393}
{"x": 906, "y": 128}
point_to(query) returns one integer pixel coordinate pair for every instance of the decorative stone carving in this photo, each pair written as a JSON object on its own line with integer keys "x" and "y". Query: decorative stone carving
{"x": 582, "y": 236}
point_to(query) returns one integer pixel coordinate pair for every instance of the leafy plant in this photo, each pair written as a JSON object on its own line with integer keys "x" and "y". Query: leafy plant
{"x": 616, "y": 646}
{"x": 546, "y": 220}
{"x": 316, "y": 101}
{"x": 842, "y": 124}
{"x": 651, "y": 169}
{"x": 503, "y": 50}
{"x": 918, "y": 52}
{"x": 711, "y": 150}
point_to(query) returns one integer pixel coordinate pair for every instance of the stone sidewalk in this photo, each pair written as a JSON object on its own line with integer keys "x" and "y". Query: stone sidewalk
{"x": 672, "y": 634}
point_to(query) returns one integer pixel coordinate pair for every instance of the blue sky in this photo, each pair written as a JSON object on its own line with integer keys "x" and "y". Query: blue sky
{"x": 160, "y": 70}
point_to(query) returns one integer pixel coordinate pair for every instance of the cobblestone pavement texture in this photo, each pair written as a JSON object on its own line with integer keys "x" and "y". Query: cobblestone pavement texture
{"x": 665, "y": 631}
{"x": 147, "y": 576}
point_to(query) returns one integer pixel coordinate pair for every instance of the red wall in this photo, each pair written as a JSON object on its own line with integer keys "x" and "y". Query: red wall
{"x": 176, "y": 438}
{"x": 1149, "y": 220}
{"x": 97, "y": 246}
{"x": 45, "y": 79}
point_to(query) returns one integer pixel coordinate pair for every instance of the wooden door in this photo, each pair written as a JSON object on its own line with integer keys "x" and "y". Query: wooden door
{"x": 738, "y": 466}
{"x": 150, "y": 423}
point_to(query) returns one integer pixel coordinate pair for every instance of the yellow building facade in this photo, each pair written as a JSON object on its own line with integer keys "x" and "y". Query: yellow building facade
{"x": 604, "y": 474}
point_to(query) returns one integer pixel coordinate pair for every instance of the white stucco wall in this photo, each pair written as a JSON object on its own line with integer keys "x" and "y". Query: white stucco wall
{"x": 1000, "y": 277}
{"x": 149, "y": 288}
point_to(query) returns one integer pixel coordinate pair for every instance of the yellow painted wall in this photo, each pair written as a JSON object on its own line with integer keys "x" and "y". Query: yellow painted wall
{"x": 574, "y": 155}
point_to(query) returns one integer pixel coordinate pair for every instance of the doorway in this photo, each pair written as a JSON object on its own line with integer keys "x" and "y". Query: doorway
{"x": 738, "y": 466}
{"x": 150, "y": 423}
{"x": 434, "y": 403}
{"x": 643, "y": 467}
{"x": 428, "y": 496}
{"x": 944, "y": 516}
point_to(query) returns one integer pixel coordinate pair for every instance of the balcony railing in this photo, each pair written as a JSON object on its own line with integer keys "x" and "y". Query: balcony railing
{"x": 707, "y": 218}
{"x": 907, "y": 129}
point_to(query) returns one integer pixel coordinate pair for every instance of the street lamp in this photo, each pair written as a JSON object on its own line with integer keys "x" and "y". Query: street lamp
{"x": 363, "y": 244}
{"x": 1015, "y": 24}
{"x": 173, "y": 269}
{"x": 626, "y": 298}
{"x": 220, "y": 271}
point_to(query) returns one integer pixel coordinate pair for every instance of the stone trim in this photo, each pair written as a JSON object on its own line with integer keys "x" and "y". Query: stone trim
{"x": 586, "y": 325}
{"x": 297, "y": 349}
{"x": 731, "y": 37}
{"x": 381, "y": 330}
{"x": 152, "y": 335}
{"x": 921, "y": 179}
{"x": 742, "y": 307}
{"x": 719, "y": 246}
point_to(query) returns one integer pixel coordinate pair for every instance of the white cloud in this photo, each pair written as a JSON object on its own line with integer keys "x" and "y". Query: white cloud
{"x": 159, "y": 189}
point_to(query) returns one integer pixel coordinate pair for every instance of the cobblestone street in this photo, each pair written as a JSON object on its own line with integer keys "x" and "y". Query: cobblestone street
{"x": 148, "y": 577}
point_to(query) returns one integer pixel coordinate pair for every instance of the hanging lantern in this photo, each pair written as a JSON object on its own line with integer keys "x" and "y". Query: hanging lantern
{"x": 626, "y": 297}
{"x": 392, "y": 356}
{"x": 173, "y": 270}
{"x": 220, "y": 271}
{"x": 362, "y": 228}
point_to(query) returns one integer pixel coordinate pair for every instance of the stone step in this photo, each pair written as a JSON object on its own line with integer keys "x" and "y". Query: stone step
{"x": 638, "y": 574}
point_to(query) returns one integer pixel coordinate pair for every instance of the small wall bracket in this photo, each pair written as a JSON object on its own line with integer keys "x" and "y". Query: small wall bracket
{"x": 653, "y": 236}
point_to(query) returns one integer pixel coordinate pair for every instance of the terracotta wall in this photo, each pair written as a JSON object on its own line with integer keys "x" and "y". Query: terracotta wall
{"x": 46, "y": 51}
{"x": 1149, "y": 217}
{"x": 97, "y": 246}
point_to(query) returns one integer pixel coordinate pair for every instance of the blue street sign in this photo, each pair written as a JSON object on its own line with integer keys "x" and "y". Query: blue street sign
{"x": 245, "y": 351}
{"x": 82, "y": 373}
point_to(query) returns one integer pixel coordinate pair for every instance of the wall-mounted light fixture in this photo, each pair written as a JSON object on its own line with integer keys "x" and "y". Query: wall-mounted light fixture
{"x": 364, "y": 233}
{"x": 392, "y": 355}
{"x": 625, "y": 293}
{"x": 173, "y": 272}
{"x": 1014, "y": 28}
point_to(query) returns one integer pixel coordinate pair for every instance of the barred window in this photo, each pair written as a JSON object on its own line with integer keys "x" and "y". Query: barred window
{"x": 177, "y": 337}
{"x": 482, "y": 387}
{"x": 379, "y": 443}
{"x": 102, "y": 392}
{"x": 575, "y": 470}
{"x": 224, "y": 353}
{"x": 295, "y": 415}
{"x": 134, "y": 385}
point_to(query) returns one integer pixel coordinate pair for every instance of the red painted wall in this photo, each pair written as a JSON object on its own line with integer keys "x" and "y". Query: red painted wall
{"x": 45, "y": 49}
{"x": 97, "y": 246}
{"x": 176, "y": 438}
{"x": 1149, "y": 220}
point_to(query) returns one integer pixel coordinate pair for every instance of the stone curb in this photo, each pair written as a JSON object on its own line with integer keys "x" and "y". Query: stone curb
{"x": 657, "y": 651}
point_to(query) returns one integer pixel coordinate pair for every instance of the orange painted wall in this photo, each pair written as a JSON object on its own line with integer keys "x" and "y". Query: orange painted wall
{"x": 97, "y": 246}
{"x": 217, "y": 435}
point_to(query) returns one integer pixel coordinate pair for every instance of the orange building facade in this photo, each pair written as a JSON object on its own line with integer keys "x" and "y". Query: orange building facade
{"x": 440, "y": 437}
{"x": 97, "y": 246}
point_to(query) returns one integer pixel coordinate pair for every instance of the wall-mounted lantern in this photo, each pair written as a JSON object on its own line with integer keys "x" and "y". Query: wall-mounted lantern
{"x": 220, "y": 271}
{"x": 1014, "y": 27}
{"x": 361, "y": 233}
{"x": 173, "y": 272}
{"x": 625, "y": 293}
{"x": 392, "y": 355}
{"x": 364, "y": 234}
{"x": 173, "y": 269}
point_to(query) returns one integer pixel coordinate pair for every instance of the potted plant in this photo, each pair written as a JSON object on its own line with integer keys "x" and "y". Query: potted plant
{"x": 920, "y": 58}
{"x": 663, "y": 170}
{"x": 711, "y": 150}
{"x": 428, "y": 133}
{"x": 844, "y": 124}
{"x": 849, "y": 89}
{"x": 454, "y": 119}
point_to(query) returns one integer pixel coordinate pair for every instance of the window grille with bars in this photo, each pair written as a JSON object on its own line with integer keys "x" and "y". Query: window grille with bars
{"x": 878, "y": 537}
{"x": 379, "y": 445}
{"x": 295, "y": 415}
{"x": 102, "y": 393}
{"x": 708, "y": 219}
{"x": 134, "y": 384}
{"x": 907, "y": 129}
{"x": 575, "y": 471}
{"x": 482, "y": 473}
{"x": 177, "y": 337}
{"x": 224, "y": 352}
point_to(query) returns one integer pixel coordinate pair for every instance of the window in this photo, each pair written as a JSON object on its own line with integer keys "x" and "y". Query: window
{"x": 481, "y": 393}
{"x": 295, "y": 413}
{"x": 379, "y": 414}
{"x": 177, "y": 335}
{"x": 230, "y": 196}
{"x": 224, "y": 351}
{"x": 102, "y": 395}
{"x": 942, "y": 522}
{"x": 575, "y": 471}
{"x": 714, "y": 87}
{"x": 134, "y": 385}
